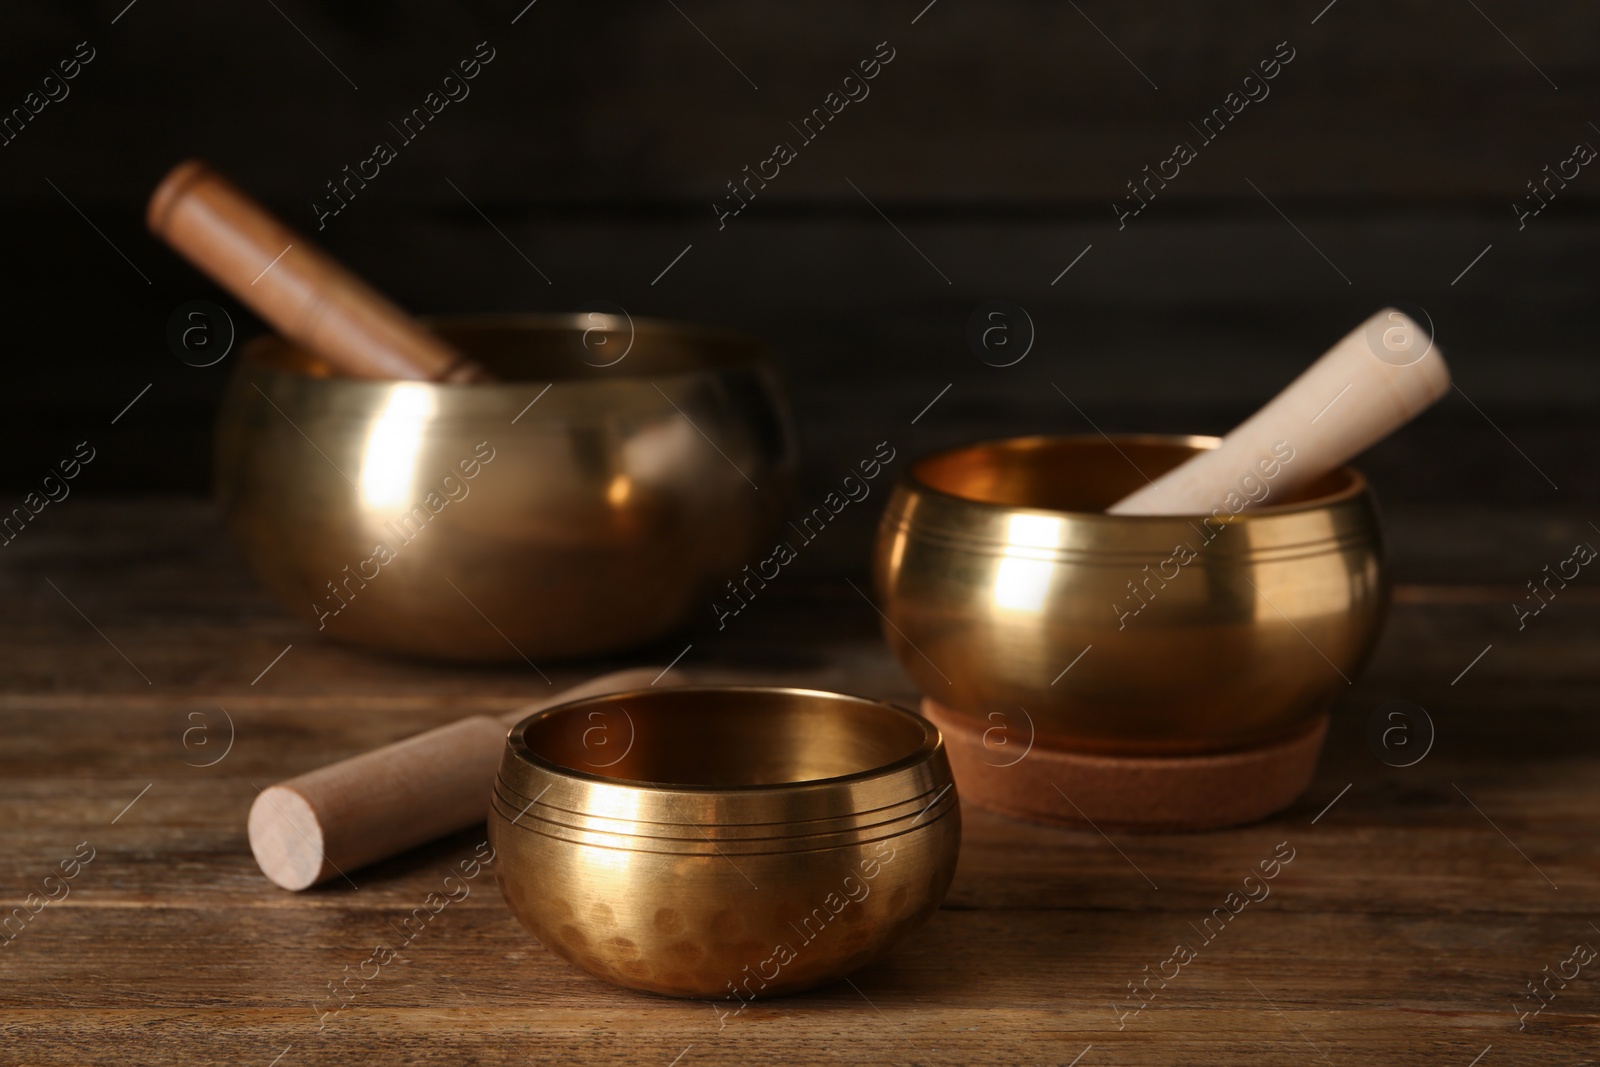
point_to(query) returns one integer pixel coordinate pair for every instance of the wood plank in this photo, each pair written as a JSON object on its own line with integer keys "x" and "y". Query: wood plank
{"x": 1014, "y": 101}
{"x": 997, "y": 141}
{"x": 1183, "y": 326}
{"x": 976, "y": 987}
{"x": 1419, "y": 903}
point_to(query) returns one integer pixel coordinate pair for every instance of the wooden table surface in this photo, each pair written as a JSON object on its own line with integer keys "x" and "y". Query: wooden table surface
{"x": 1420, "y": 903}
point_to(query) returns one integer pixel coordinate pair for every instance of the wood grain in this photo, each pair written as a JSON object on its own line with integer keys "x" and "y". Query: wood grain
{"x": 1414, "y": 911}
{"x": 997, "y": 141}
{"x": 1016, "y": 102}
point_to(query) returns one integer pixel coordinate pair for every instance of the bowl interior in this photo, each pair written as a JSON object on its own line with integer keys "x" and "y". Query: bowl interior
{"x": 543, "y": 348}
{"x": 1084, "y": 474}
{"x": 726, "y": 738}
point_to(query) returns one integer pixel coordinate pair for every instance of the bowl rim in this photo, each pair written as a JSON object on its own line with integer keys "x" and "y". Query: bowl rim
{"x": 932, "y": 743}
{"x": 1358, "y": 485}
{"x": 252, "y": 350}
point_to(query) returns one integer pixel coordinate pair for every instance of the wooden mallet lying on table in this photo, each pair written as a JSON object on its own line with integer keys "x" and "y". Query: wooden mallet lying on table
{"x": 331, "y": 821}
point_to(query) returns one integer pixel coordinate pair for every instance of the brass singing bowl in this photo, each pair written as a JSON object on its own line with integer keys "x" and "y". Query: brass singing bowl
{"x": 723, "y": 841}
{"x": 569, "y": 509}
{"x": 1010, "y": 596}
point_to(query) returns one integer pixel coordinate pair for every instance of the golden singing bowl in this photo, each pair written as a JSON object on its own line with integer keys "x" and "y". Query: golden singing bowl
{"x": 1010, "y": 596}
{"x": 723, "y": 841}
{"x": 569, "y": 509}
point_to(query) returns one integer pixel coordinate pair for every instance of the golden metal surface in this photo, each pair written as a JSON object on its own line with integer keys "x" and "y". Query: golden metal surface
{"x": 497, "y": 521}
{"x": 724, "y": 841}
{"x": 997, "y": 569}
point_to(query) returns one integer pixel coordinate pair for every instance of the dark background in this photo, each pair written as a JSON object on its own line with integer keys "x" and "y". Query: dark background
{"x": 997, "y": 140}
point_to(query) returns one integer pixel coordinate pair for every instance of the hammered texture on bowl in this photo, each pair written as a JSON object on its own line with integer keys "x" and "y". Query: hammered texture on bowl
{"x": 746, "y": 842}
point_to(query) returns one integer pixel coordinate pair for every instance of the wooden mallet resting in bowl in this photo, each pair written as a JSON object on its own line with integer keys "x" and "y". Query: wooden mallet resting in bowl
{"x": 1373, "y": 381}
{"x": 1379, "y": 377}
{"x": 300, "y": 290}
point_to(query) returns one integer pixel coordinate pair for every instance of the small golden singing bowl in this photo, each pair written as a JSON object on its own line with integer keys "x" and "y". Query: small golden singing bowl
{"x": 1011, "y": 597}
{"x": 590, "y": 500}
{"x": 723, "y": 841}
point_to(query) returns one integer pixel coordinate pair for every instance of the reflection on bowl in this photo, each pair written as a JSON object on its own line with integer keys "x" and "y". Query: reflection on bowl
{"x": 1009, "y": 592}
{"x": 568, "y": 509}
{"x": 732, "y": 842}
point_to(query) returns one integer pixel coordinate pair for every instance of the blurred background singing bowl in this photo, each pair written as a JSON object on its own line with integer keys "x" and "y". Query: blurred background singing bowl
{"x": 590, "y": 500}
{"x": 724, "y": 841}
{"x": 1008, "y": 591}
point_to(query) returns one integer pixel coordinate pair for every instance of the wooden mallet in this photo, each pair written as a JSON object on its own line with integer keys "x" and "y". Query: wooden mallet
{"x": 301, "y": 291}
{"x": 1383, "y": 374}
{"x": 331, "y": 821}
